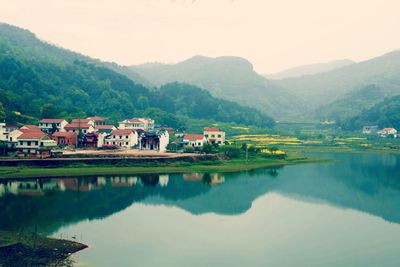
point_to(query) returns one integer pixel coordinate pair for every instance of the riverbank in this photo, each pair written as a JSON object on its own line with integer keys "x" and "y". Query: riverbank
{"x": 233, "y": 165}
{"x": 33, "y": 250}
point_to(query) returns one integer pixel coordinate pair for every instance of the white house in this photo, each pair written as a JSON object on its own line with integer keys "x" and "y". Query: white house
{"x": 388, "y": 131}
{"x": 214, "y": 136}
{"x": 144, "y": 124}
{"x": 52, "y": 125}
{"x": 194, "y": 140}
{"x": 35, "y": 143}
{"x": 3, "y": 131}
{"x": 77, "y": 127}
{"x": 122, "y": 138}
{"x": 370, "y": 129}
{"x": 97, "y": 120}
{"x": 154, "y": 141}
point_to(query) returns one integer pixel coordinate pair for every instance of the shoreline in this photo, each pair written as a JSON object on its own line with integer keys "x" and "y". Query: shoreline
{"x": 233, "y": 165}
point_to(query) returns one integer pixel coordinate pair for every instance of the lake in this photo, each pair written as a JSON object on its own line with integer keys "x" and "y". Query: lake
{"x": 342, "y": 213}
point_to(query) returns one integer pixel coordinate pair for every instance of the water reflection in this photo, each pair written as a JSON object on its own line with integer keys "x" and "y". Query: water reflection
{"x": 368, "y": 183}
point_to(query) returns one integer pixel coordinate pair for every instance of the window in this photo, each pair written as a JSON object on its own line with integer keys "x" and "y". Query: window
{"x": 126, "y": 143}
{"x": 29, "y": 143}
{"x": 127, "y": 137}
{"x": 219, "y": 136}
{"x": 213, "y": 135}
{"x": 10, "y": 139}
{"x": 206, "y": 135}
{"x": 219, "y": 142}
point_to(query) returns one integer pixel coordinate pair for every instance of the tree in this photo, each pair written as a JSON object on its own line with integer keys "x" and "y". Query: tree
{"x": 273, "y": 149}
{"x": 48, "y": 111}
{"x": 2, "y": 112}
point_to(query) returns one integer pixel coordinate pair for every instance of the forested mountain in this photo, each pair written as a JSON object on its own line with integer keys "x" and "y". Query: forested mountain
{"x": 383, "y": 114}
{"x": 324, "y": 88}
{"x": 38, "y": 79}
{"x": 230, "y": 78}
{"x": 351, "y": 104}
{"x": 310, "y": 69}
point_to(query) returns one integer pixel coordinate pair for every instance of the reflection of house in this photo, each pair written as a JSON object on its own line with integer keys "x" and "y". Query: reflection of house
{"x": 52, "y": 125}
{"x": 76, "y": 128}
{"x": 97, "y": 121}
{"x": 195, "y": 177}
{"x": 163, "y": 180}
{"x": 65, "y": 138}
{"x": 35, "y": 143}
{"x": 154, "y": 141}
{"x": 144, "y": 124}
{"x": 122, "y": 181}
{"x": 31, "y": 187}
{"x": 214, "y": 136}
{"x": 122, "y": 138}
{"x": 370, "y": 129}
{"x": 194, "y": 140}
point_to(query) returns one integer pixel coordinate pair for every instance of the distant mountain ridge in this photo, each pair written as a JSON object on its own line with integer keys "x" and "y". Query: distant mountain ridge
{"x": 310, "y": 69}
{"x": 230, "y": 78}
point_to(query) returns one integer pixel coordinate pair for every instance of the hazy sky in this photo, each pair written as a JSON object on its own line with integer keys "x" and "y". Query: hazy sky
{"x": 272, "y": 34}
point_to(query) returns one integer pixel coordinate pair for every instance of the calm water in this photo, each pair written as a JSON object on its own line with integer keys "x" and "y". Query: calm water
{"x": 345, "y": 213}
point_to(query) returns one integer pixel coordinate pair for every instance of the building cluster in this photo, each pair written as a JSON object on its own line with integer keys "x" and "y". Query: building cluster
{"x": 385, "y": 132}
{"x": 93, "y": 132}
{"x": 213, "y": 136}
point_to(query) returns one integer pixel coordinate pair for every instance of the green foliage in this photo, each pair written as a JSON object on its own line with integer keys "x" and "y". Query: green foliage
{"x": 189, "y": 149}
{"x": 230, "y": 151}
{"x": 41, "y": 80}
{"x": 383, "y": 114}
{"x": 2, "y": 113}
{"x": 207, "y": 148}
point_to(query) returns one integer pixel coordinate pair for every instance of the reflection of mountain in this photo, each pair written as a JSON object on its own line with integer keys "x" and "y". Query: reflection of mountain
{"x": 368, "y": 183}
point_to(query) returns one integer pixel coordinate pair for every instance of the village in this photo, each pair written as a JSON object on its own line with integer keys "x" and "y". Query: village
{"x": 136, "y": 136}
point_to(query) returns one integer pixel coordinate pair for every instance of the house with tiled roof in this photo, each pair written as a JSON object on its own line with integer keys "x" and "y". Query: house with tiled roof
{"x": 34, "y": 143}
{"x": 30, "y": 127}
{"x": 83, "y": 121}
{"x": 388, "y": 132}
{"x": 79, "y": 127}
{"x": 97, "y": 120}
{"x": 154, "y": 141}
{"x": 105, "y": 128}
{"x": 65, "y": 138}
{"x": 193, "y": 140}
{"x": 123, "y": 138}
{"x": 215, "y": 136}
{"x": 144, "y": 124}
{"x": 52, "y": 125}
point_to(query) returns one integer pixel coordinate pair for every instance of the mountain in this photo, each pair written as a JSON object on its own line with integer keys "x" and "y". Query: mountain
{"x": 309, "y": 69}
{"x": 324, "y": 88}
{"x": 384, "y": 114}
{"x": 37, "y": 78}
{"x": 230, "y": 78}
{"x": 351, "y": 104}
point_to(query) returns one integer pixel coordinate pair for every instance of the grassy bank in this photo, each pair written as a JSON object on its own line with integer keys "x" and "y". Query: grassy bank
{"x": 232, "y": 165}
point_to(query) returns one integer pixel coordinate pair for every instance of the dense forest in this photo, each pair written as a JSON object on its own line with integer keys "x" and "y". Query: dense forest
{"x": 383, "y": 114}
{"x": 40, "y": 80}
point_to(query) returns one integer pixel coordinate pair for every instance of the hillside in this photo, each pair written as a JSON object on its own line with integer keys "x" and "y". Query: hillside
{"x": 230, "y": 78}
{"x": 351, "y": 104}
{"x": 383, "y": 114}
{"x": 310, "y": 69}
{"x": 324, "y": 88}
{"x": 38, "y": 79}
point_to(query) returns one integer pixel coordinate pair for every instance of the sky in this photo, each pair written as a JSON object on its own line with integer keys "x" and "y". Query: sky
{"x": 272, "y": 34}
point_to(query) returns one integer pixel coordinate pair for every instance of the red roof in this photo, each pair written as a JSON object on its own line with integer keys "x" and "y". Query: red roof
{"x": 389, "y": 129}
{"x": 75, "y": 126}
{"x": 96, "y": 118}
{"x": 64, "y": 134}
{"x": 193, "y": 137}
{"x": 81, "y": 120}
{"x": 31, "y": 127}
{"x": 122, "y": 132}
{"x": 32, "y": 135}
{"x": 212, "y": 129}
{"x": 52, "y": 120}
{"x": 104, "y": 127}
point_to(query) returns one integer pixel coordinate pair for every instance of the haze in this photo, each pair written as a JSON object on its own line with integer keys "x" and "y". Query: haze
{"x": 273, "y": 35}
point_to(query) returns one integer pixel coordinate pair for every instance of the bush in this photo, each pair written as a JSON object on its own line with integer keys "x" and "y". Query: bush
{"x": 189, "y": 149}
{"x": 230, "y": 151}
